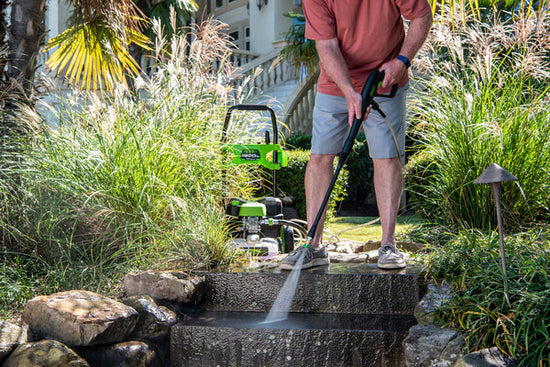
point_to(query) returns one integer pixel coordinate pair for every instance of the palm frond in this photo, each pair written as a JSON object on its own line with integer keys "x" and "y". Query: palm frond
{"x": 93, "y": 55}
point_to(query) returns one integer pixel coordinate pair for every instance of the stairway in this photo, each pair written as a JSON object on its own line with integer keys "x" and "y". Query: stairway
{"x": 276, "y": 96}
{"x": 342, "y": 315}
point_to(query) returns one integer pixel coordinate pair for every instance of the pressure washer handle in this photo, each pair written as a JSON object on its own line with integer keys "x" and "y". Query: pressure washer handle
{"x": 250, "y": 107}
{"x": 367, "y": 94}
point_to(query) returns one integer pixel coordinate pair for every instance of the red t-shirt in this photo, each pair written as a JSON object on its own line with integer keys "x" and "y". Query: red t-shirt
{"x": 370, "y": 33}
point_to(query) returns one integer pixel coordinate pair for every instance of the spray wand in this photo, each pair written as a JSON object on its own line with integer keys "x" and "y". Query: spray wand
{"x": 368, "y": 93}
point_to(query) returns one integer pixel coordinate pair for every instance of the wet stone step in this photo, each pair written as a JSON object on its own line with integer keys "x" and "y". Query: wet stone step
{"x": 304, "y": 339}
{"x": 336, "y": 288}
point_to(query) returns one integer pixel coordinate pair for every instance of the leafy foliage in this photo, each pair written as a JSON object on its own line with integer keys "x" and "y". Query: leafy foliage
{"x": 300, "y": 51}
{"x": 359, "y": 186}
{"x": 93, "y": 55}
{"x": 471, "y": 263}
{"x": 291, "y": 182}
{"x": 172, "y": 14}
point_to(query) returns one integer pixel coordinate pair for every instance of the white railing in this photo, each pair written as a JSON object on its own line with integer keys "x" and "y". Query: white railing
{"x": 265, "y": 72}
{"x": 299, "y": 105}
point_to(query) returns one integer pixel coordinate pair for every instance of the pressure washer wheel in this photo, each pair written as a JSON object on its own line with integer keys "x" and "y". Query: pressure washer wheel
{"x": 286, "y": 240}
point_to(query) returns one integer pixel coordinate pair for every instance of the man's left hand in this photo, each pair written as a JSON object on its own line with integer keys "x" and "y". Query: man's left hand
{"x": 394, "y": 70}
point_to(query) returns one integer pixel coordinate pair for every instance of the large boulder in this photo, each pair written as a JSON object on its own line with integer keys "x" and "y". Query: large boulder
{"x": 432, "y": 346}
{"x": 154, "y": 321}
{"x": 44, "y": 353}
{"x": 125, "y": 354}
{"x": 438, "y": 294}
{"x": 11, "y": 335}
{"x": 491, "y": 357}
{"x": 166, "y": 285}
{"x": 79, "y": 318}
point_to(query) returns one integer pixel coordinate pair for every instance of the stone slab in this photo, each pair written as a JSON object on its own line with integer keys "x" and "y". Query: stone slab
{"x": 241, "y": 339}
{"x": 336, "y": 288}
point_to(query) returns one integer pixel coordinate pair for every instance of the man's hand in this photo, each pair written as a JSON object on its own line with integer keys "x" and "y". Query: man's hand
{"x": 393, "y": 72}
{"x": 354, "y": 101}
{"x": 335, "y": 66}
{"x": 416, "y": 35}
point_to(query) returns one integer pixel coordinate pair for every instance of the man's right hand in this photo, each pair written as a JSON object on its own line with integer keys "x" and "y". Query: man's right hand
{"x": 354, "y": 101}
{"x": 335, "y": 66}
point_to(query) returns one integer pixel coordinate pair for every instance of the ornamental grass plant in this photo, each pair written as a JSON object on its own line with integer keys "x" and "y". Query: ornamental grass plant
{"x": 106, "y": 185}
{"x": 484, "y": 99}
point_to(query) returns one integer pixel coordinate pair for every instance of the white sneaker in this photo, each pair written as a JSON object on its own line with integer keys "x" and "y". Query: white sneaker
{"x": 311, "y": 258}
{"x": 389, "y": 257}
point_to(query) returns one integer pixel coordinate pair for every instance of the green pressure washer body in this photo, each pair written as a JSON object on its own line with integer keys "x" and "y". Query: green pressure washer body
{"x": 259, "y": 226}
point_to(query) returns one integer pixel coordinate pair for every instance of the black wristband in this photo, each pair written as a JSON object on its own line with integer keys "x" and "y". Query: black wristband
{"x": 404, "y": 60}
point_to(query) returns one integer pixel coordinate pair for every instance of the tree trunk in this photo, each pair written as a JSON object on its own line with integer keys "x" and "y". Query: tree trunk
{"x": 3, "y": 40}
{"x": 26, "y": 33}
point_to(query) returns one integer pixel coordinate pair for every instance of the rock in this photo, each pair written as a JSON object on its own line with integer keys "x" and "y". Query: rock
{"x": 9, "y": 338}
{"x": 79, "y": 318}
{"x": 336, "y": 257}
{"x": 25, "y": 335}
{"x": 408, "y": 246}
{"x": 432, "y": 346}
{"x": 438, "y": 293}
{"x": 44, "y": 353}
{"x": 343, "y": 247}
{"x": 491, "y": 357}
{"x": 166, "y": 285}
{"x": 370, "y": 245}
{"x": 126, "y": 354}
{"x": 154, "y": 321}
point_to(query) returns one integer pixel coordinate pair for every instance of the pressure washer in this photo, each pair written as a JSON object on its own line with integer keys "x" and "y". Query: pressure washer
{"x": 259, "y": 226}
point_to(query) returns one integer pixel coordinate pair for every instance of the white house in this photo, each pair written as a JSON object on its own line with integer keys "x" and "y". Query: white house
{"x": 255, "y": 25}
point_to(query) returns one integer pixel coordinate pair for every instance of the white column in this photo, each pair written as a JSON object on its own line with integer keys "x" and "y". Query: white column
{"x": 52, "y": 15}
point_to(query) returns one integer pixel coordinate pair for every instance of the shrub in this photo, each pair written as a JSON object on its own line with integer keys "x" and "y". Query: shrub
{"x": 290, "y": 181}
{"x": 298, "y": 140}
{"x": 360, "y": 185}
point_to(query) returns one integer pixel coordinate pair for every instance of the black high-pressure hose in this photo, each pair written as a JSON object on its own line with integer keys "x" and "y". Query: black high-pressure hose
{"x": 368, "y": 93}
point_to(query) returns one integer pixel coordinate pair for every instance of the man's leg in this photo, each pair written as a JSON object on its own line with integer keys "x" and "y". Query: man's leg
{"x": 388, "y": 177}
{"x": 388, "y": 183}
{"x": 330, "y": 129}
{"x": 319, "y": 173}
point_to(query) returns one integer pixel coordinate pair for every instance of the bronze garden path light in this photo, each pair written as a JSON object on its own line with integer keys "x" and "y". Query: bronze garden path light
{"x": 494, "y": 175}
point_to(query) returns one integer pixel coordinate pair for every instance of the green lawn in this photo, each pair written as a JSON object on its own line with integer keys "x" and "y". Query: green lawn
{"x": 370, "y": 232}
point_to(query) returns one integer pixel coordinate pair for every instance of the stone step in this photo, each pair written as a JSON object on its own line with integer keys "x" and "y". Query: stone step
{"x": 336, "y": 288}
{"x": 304, "y": 339}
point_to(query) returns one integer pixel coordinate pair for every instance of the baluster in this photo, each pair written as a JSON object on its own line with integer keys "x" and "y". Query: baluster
{"x": 275, "y": 75}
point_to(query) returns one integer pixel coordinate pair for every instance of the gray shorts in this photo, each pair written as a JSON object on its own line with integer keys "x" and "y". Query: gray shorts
{"x": 331, "y": 127}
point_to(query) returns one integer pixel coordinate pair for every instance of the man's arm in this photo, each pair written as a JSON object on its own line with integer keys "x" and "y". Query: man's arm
{"x": 416, "y": 35}
{"x": 335, "y": 66}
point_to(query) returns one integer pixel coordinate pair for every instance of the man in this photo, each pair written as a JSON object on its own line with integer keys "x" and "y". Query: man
{"x": 354, "y": 37}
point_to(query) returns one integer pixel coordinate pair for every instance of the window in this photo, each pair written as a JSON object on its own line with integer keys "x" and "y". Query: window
{"x": 219, "y": 3}
{"x": 247, "y": 38}
{"x": 234, "y": 36}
